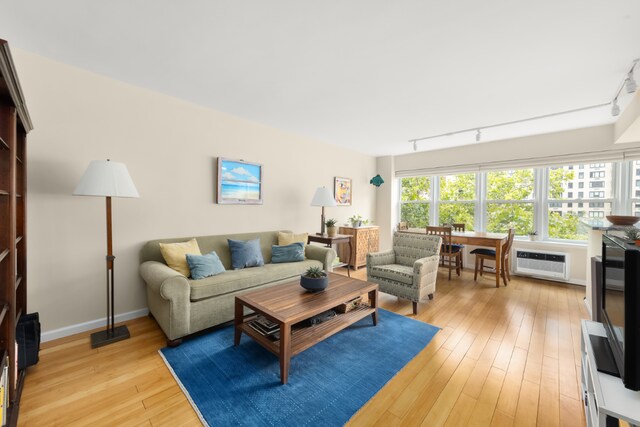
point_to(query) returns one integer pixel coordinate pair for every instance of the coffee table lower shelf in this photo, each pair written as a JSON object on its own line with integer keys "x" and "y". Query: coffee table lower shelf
{"x": 306, "y": 336}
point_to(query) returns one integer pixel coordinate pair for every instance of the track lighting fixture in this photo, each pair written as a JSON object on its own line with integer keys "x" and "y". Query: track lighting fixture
{"x": 615, "y": 108}
{"x": 630, "y": 83}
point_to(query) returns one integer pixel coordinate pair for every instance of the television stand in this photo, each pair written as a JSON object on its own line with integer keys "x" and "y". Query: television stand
{"x": 604, "y": 396}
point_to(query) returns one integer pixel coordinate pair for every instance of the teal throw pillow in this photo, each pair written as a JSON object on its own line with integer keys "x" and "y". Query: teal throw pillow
{"x": 245, "y": 253}
{"x": 289, "y": 253}
{"x": 202, "y": 266}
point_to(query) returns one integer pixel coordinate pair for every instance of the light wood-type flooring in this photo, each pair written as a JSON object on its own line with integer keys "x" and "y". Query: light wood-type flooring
{"x": 506, "y": 356}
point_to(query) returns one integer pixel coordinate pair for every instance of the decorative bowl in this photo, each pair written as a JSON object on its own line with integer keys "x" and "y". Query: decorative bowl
{"x": 622, "y": 220}
{"x": 314, "y": 284}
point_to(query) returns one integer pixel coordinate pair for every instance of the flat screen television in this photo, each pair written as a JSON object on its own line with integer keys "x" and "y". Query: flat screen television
{"x": 621, "y": 306}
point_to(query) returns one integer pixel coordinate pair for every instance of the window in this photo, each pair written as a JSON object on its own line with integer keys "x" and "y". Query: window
{"x": 415, "y": 201}
{"x": 497, "y": 200}
{"x": 510, "y": 201}
{"x": 563, "y": 214}
{"x": 457, "y": 199}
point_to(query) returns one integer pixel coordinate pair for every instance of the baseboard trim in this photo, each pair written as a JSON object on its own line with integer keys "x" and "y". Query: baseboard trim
{"x": 93, "y": 324}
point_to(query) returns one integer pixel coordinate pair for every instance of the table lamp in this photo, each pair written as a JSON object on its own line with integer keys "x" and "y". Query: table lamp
{"x": 104, "y": 178}
{"x": 324, "y": 198}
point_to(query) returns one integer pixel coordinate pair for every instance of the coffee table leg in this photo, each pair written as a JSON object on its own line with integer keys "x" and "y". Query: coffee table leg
{"x": 285, "y": 352}
{"x": 373, "y": 300}
{"x": 239, "y": 317}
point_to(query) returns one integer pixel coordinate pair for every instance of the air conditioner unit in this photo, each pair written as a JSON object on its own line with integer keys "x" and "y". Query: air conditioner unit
{"x": 542, "y": 264}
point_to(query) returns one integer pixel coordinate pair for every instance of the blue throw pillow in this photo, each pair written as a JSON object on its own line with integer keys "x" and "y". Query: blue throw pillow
{"x": 289, "y": 253}
{"x": 245, "y": 254}
{"x": 202, "y": 266}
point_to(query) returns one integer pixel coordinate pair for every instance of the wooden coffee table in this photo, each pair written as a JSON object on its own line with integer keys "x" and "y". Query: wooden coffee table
{"x": 289, "y": 303}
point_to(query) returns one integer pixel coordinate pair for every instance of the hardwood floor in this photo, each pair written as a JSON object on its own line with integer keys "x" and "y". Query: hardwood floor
{"x": 507, "y": 356}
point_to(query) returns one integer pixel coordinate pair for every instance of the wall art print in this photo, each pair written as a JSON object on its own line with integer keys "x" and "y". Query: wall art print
{"x": 342, "y": 191}
{"x": 239, "y": 182}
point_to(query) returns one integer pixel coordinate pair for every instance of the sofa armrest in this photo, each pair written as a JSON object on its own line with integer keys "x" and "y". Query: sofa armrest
{"x": 323, "y": 254}
{"x": 168, "y": 297}
{"x": 381, "y": 258}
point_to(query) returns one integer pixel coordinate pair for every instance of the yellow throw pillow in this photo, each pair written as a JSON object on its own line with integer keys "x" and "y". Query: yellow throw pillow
{"x": 287, "y": 238}
{"x": 175, "y": 254}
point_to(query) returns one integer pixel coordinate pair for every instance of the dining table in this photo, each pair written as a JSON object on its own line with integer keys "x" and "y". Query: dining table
{"x": 475, "y": 238}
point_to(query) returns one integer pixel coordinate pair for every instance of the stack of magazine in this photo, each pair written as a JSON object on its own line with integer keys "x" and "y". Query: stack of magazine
{"x": 266, "y": 327}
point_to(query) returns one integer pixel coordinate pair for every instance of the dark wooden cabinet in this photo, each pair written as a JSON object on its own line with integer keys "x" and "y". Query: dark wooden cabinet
{"x": 14, "y": 126}
{"x": 364, "y": 240}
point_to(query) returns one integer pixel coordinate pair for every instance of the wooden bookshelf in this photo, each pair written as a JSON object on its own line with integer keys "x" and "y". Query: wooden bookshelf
{"x": 14, "y": 126}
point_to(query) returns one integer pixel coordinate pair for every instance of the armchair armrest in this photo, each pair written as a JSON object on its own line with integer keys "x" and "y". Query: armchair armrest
{"x": 425, "y": 271}
{"x": 323, "y": 254}
{"x": 381, "y": 258}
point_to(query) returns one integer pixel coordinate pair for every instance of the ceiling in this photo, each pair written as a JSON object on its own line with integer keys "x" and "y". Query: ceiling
{"x": 368, "y": 75}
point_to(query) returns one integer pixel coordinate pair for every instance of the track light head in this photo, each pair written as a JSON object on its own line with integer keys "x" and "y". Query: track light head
{"x": 415, "y": 145}
{"x": 478, "y": 135}
{"x": 630, "y": 83}
{"x": 615, "y": 108}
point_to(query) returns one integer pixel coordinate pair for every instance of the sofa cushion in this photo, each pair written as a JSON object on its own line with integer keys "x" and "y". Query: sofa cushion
{"x": 174, "y": 255}
{"x": 245, "y": 253}
{"x": 236, "y": 280}
{"x": 287, "y": 238}
{"x": 202, "y": 266}
{"x": 288, "y": 253}
{"x": 395, "y": 272}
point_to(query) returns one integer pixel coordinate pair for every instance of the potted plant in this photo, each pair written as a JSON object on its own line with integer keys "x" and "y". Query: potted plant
{"x": 533, "y": 235}
{"x": 331, "y": 227}
{"x": 356, "y": 220}
{"x": 314, "y": 279}
{"x": 633, "y": 234}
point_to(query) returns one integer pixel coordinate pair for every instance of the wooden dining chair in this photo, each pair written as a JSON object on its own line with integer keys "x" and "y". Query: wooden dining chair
{"x": 459, "y": 227}
{"x": 483, "y": 254}
{"x": 449, "y": 252}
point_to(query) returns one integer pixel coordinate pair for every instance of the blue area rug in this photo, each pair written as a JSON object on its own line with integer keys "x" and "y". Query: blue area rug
{"x": 328, "y": 383}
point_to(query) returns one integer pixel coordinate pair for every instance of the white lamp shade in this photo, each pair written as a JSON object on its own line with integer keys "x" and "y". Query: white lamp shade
{"x": 323, "y": 197}
{"x": 106, "y": 178}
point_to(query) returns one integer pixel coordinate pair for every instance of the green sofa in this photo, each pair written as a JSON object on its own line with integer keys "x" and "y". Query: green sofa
{"x": 182, "y": 306}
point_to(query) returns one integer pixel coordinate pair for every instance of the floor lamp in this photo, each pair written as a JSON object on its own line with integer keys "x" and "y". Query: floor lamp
{"x": 108, "y": 179}
{"x": 323, "y": 197}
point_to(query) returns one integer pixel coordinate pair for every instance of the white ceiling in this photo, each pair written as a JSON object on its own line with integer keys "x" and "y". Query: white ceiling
{"x": 364, "y": 74}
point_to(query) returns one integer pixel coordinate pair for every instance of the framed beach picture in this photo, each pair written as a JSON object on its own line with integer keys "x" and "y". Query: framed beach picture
{"x": 342, "y": 191}
{"x": 239, "y": 182}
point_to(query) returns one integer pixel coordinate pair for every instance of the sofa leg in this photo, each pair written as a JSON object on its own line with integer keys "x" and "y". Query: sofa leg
{"x": 415, "y": 307}
{"x": 174, "y": 343}
{"x": 430, "y": 296}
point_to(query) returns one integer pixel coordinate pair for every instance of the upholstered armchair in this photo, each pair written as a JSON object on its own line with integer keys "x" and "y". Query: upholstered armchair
{"x": 409, "y": 270}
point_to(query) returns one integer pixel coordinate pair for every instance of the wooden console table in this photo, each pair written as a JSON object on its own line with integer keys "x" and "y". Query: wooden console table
{"x": 365, "y": 240}
{"x": 330, "y": 241}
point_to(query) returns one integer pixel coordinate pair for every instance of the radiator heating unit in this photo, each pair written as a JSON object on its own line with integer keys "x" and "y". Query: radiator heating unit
{"x": 552, "y": 265}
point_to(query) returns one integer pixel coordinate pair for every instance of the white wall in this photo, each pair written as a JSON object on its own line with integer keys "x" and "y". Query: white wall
{"x": 169, "y": 147}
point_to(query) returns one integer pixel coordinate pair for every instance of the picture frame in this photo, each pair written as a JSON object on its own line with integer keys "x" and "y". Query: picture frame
{"x": 239, "y": 182}
{"x": 342, "y": 191}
